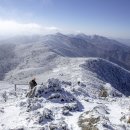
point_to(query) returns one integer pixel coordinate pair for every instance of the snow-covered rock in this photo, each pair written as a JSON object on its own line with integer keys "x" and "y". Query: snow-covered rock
{"x": 54, "y": 91}
{"x": 47, "y": 111}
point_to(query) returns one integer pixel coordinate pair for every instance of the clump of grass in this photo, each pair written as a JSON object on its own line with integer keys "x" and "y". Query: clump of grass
{"x": 103, "y": 92}
{"x": 89, "y": 123}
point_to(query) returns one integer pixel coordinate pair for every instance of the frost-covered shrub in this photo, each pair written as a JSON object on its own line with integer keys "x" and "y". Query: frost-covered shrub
{"x": 71, "y": 107}
{"x": 40, "y": 90}
{"x": 58, "y": 126}
{"x": 125, "y": 118}
{"x": 48, "y": 114}
{"x": 90, "y": 119}
{"x": 103, "y": 92}
{"x": 67, "y": 83}
{"x": 40, "y": 118}
{"x": 43, "y": 117}
{"x": 54, "y": 91}
{"x": 37, "y": 118}
{"x": 81, "y": 84}
{"x": 34, "y": 104}
{"x": 54, "y": 84}
{"x": 110, "y": 91}
{"x": 61, "y": 97}
{"x": 89, "y": 123}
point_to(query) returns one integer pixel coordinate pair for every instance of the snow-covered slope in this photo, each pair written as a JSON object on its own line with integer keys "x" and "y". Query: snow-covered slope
{"x": 81, "y": 93}
{"x": 109, "y": 72}
{"x": 94, "y": 72}
{"x": 63, "y": 105}
{"x": 34, "y": 51}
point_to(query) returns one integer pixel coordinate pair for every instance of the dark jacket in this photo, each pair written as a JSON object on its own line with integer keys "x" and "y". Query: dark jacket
{"x": 32, "y": 84}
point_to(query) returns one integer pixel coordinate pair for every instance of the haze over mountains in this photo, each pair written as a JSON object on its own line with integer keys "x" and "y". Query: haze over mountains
{"x": 124, "y": 41}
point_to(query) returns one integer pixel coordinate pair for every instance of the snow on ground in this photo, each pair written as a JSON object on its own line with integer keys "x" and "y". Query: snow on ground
{"x": 48, "y": 111}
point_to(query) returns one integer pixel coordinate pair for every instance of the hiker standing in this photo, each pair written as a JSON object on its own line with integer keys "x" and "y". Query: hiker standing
{"x": 32, "y": 88}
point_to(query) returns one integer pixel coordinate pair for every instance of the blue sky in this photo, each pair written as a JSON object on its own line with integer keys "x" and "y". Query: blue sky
{"x": 104, "y": 17}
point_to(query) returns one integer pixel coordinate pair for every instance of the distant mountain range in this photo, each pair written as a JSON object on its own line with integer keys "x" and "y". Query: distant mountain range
{"x": 23, "y": 52}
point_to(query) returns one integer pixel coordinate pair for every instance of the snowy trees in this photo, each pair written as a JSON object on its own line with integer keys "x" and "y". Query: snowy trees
{"x": 7, "y": 61}
{"x": 110, "y": 73}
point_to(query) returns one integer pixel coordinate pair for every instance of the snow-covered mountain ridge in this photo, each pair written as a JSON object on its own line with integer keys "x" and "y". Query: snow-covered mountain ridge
{"x": 30, "y": 52}
{"x": 87, "y": 70}
{"x": 81, "y": 89}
